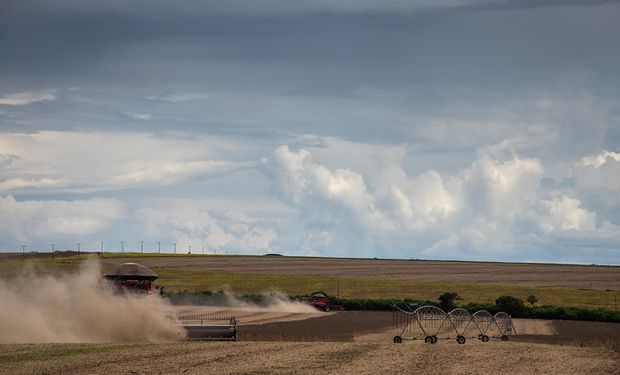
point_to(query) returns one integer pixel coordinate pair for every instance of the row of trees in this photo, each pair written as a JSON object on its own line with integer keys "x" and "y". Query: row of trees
{"x": 448, "y": 301}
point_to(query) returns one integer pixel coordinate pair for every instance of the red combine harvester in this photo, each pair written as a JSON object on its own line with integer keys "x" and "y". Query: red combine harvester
{"x": 133, "y": 277}
{"x": 320, "y": 301}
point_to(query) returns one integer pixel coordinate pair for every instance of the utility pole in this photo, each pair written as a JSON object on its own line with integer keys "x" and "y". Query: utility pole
{"x": 101, "y": 252}
{"x": 159, "y": 247}
{"x": 122, "y": 246}
{"x": 141, "y": 246}
{"x": 52, "y": 248}
{"x": 203, "y": 250}
{"x": 24, "y": 250}
{"x": 338, "y": 287}
{"x": 189, "y": 249}
{"x": 78, "y": 248}
{"x": 175, "y": 247}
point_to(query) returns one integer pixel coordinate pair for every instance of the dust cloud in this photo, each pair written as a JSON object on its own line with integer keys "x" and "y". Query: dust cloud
{"x": 272, "y": 302}
{"x": 80, "y": 307}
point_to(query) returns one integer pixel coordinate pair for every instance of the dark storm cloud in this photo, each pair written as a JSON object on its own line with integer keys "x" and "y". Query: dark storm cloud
{"x": 427, "y": 59}
{"x": 333, "y": 50}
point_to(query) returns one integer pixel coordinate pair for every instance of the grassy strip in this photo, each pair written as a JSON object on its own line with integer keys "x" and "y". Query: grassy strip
{"x": 352, "y": 288}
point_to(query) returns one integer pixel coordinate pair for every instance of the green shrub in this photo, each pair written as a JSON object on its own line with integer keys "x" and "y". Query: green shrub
{"x": 510, "y": 305}
{"x": 447, "y": 301}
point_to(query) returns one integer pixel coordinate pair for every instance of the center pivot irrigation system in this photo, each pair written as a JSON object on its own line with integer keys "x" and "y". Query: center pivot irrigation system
{"x": 432, "y": 322}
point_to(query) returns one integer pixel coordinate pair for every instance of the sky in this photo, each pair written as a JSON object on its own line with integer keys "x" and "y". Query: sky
{"x": 444, "y": 129}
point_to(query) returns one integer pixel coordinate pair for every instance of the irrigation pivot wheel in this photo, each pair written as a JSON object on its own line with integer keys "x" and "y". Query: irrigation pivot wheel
{"x": 432, "y": 320}
{"x": 483, "y": 321}
{"x": 485, "y": 338}
{"x": 461, "y": 339}
{"x": 428, "y": 339}
{"x": 460, "y": 319}
{"x": 503, "y": 322}
{"x": 398, "y": 339}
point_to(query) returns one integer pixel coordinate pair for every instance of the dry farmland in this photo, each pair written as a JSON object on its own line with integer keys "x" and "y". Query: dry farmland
{"x": 306, "y": 358}
{"x": 553, "y": 284}
{"x": 540, "y": 275}
{"x": 274, "y": 342}
{"x": 342, "y": 343}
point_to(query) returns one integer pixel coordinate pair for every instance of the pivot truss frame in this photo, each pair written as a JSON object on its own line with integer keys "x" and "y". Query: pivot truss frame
{"x": 433, "y": 321}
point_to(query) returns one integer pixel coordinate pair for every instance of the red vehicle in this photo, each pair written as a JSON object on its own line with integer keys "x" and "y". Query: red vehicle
{"x": 320, "y": 301}
{"x": 136, "y": 286}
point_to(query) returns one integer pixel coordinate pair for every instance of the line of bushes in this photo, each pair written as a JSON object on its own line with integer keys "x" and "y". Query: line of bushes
{"x": 511, "y": 305}
{"x": 517, "y": 309}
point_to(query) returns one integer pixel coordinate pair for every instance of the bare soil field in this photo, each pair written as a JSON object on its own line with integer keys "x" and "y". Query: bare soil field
{"x": 268, "y": 324}
{"x": 341, "y": 343}
{"x": 249, "y": 357}
{"x": 543, "y": 275}
{"x": 348, "y": 325}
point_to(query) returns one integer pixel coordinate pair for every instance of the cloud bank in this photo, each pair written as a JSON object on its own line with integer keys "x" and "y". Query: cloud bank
{"x": 493, "y": 206}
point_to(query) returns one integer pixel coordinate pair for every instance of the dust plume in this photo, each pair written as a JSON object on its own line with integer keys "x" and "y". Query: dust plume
{"x": 272, "y": 302}
{"x": 79, "y": 307}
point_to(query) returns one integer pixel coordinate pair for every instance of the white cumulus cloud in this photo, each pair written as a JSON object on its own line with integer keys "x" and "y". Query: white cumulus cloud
{"x": 30, "y": 220}
{"x": 597, "y": 179}
{"x": 495, "y": 207}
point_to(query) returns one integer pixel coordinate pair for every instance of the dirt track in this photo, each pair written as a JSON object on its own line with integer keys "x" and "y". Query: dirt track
{"x": 548, "y": 275}
{"x": 251, "y": 315}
